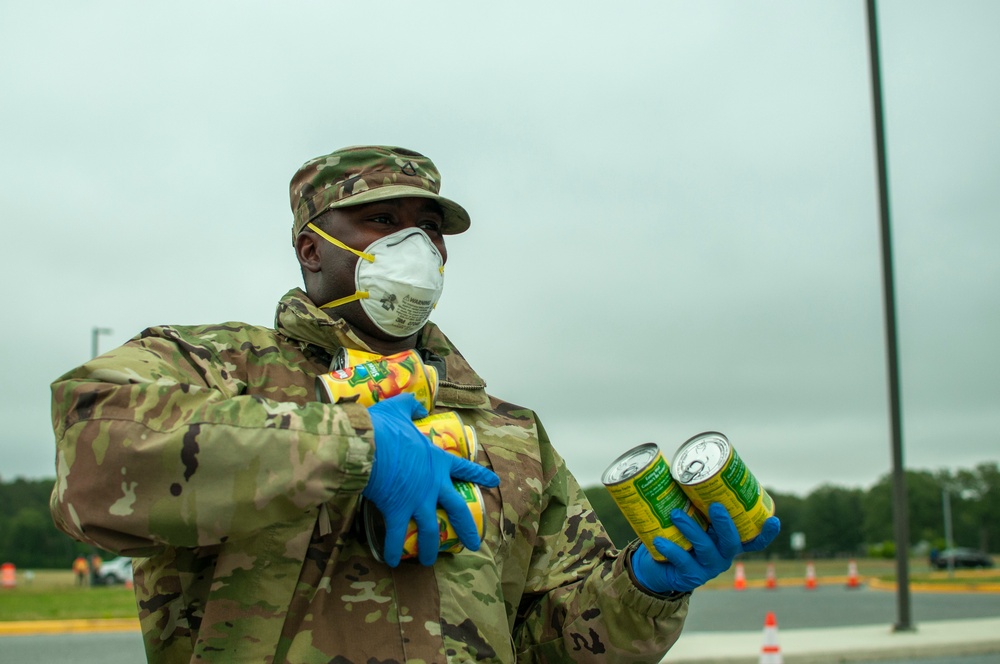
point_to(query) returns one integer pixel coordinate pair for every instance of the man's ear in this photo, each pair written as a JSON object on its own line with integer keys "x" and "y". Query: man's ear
{"x": 307, "y": 251}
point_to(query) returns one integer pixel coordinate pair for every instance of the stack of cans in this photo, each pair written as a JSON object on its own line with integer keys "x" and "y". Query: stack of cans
{"x": 367, "y": 378}
{"x": 706, "y": 469}
{"x": 375, "y": 378}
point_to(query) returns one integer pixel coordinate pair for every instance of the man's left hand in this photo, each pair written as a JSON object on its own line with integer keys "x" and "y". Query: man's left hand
{"x": 713, "y": 552}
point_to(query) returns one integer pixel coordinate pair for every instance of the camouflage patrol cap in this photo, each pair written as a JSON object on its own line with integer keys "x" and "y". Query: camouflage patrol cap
{"x": 363, "y": 174}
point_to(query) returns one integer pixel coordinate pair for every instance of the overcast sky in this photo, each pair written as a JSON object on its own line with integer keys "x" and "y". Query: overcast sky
{"x": 675, "y": 219}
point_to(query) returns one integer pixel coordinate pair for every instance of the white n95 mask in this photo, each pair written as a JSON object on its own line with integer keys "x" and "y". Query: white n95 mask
{"x": 398, "y": 280}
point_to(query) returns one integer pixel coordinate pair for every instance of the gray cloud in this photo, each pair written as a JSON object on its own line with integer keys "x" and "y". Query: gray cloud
{"x": 675, "y": 220}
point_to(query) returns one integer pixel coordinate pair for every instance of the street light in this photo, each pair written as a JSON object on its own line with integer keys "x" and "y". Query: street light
{"x": 901, "y": 517}
{"x": 949, "y": 541}
{"x": 94, "y": 334}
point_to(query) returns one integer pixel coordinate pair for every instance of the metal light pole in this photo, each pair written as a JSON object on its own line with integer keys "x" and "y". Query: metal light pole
{"x": 901, "y": 518}
{"x": 94, "y": 334}
{"x": 949, "y": 539}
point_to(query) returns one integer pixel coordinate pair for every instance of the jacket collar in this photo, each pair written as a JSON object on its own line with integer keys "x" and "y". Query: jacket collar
{"x": 298, "y": 318}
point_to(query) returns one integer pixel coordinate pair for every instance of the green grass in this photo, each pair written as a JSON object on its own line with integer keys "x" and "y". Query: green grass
{"x": 791, "y": 572}
{"x": 52, "y": 595}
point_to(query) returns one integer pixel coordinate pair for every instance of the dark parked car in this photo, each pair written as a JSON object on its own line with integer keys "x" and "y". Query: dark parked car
{"x": 115, "y": 571}
{"x": 962, "y": 557}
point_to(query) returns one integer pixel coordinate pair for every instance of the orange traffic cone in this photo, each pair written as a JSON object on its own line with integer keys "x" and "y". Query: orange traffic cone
{"x": 740, "y": 583}
{"x": 772, "y": 580}
{"x": 810, "y": 576}
{"x": 770, "y": 652}
{"x": 852, "y": 575}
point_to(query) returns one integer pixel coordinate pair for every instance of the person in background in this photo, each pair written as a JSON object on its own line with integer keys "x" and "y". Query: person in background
{"x": 81, "y": 570}
{"x": 203, "y": 452}
{"x": 95, "y": 569}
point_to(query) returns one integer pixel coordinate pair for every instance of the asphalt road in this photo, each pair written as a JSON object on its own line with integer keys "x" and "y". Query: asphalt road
{"x": 967, "y": 659}
{"x": 99, "y": 648}
{"x": 711, "y": 610}
{"x": 828, "y": 606}
{"x": 127, "y": 649}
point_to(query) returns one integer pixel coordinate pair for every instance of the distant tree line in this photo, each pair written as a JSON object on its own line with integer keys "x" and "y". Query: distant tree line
{"x": 836, "y": 521}
{"x": 28, "y": 538}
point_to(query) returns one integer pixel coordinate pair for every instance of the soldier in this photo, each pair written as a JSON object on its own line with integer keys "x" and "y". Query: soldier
{"x": 81, "y": 570}
{"x": 203, "y": 453}
{"x": 95, "y": 569}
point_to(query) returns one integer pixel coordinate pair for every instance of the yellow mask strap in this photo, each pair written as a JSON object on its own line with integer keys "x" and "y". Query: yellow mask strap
{"x": 334, "y": 241}
{"x": 360, "y": 295}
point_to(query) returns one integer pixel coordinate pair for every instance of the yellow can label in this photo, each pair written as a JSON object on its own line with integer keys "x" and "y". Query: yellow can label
{"x": 370, "y": 382}
{"x": 711, "y": 471}
{"x": 447, "y": 431}
{"x": 641, "y": 484}
{"x": 448, "y": 541}
{"x": 349, "y": 357}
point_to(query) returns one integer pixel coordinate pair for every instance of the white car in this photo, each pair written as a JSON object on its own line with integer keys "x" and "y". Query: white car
{"x": 115, "y": 571}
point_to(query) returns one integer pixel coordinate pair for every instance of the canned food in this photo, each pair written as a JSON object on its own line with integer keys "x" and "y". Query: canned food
{"x": 447, "y": 431}
{"x": 472, "y": 441}
{"x": 432, "y": 380}
{"x": 640, "y": 483}
{"x": 370, "y": 382}
{"x": 711, "y": 471}
{"x": 348, "y": 357}
{"x": 448, "y": 541}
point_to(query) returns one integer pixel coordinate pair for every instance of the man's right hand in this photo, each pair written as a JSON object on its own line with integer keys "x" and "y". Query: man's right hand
{"x": 410, "y": 477}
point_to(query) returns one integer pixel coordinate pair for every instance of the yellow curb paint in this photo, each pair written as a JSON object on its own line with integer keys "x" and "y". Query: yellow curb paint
{"x": 33, "y": 627}
{"x": 873, "y": 583}
{"x": 877, "y": 584}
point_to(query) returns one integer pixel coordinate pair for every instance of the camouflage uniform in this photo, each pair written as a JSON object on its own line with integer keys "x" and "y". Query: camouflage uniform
{"x": 202, "y": 452}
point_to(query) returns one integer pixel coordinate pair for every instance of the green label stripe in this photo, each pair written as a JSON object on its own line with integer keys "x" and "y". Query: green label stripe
{"x": 366, "y": 371}
{"x": 659, "y": 491}
{"x": 465, "y": 490}
{"x": 741, "y": 483}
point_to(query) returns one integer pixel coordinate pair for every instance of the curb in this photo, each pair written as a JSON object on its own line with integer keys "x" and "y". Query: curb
{"x": 875, "y": 584}
{"x": 37, "y": 627}
{"x": 956, "y": 587}
{"x": 834, "y": 645}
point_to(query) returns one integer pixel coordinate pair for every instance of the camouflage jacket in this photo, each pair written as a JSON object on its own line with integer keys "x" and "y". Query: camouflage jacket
{"x": 202, "y": 452}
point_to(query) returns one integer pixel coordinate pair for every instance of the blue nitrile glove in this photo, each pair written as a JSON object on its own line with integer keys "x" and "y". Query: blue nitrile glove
{"x": 714, "y": 551}
{"x": 410, "y": 477}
